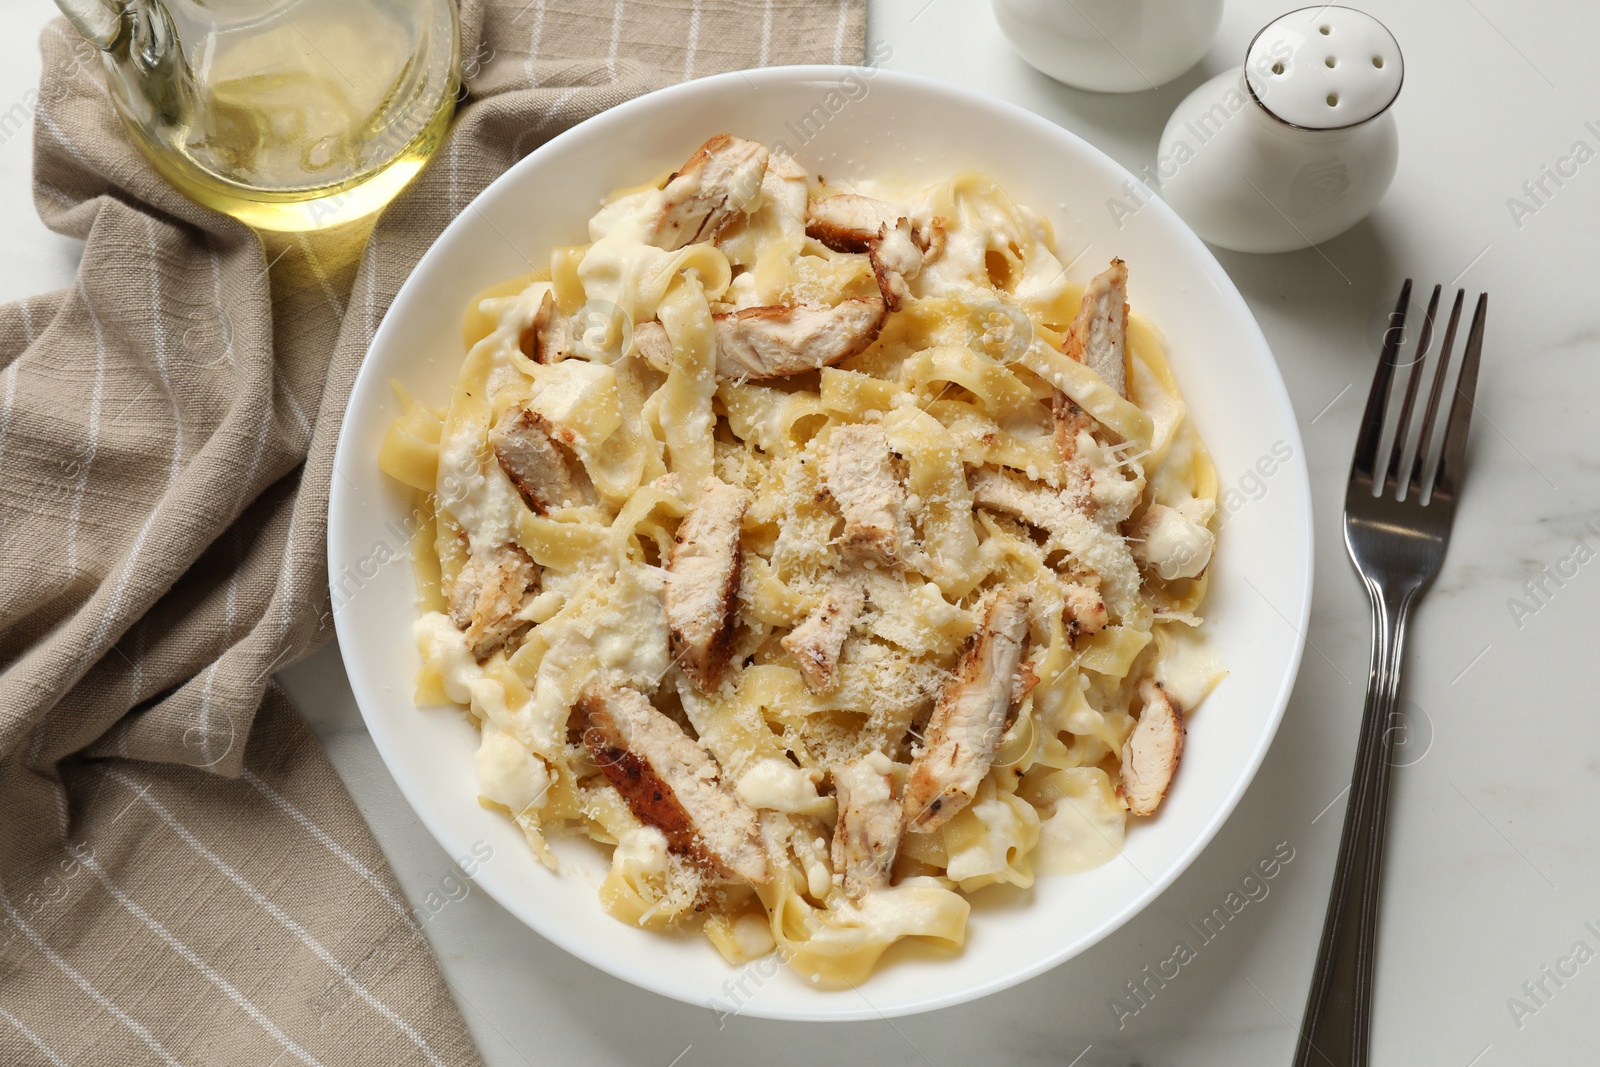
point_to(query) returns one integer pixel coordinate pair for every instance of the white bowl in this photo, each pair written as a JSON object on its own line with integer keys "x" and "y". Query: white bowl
{"x": 840, "y": 123}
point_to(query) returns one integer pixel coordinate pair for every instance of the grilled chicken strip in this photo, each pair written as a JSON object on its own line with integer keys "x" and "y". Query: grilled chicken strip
{"x": 780, "y": 339}
{"x": 525, "y": 445}
{"x": 548, "y": 338}
{"x": 852, "y": 223}
{"x": 870, "y": 822}
{"x": 891, "y": 282}
{"x": 848, "y": 222}
{"x": 972, "y": 713}
{"x": 1151, "y": 753}
{"x": 1086, "y": 609}
{"x": 488, "y": 594}
{"x": 1011, "y": 494}
{"x": 1098, "y": 337}
{"x": 718, "y": 184}
{"x": 703, "y": 591}
{"x": 858, "y": 472}
{"x": 651, "y": 342}
{"x": 669, "y": 781}
{"x": 1024, "y": 683}
{"x": 776, "y": 340}
{"x": 1077, "y": 477}
{"x": 1099, "y": 551}
{"x": 815, "y": 644}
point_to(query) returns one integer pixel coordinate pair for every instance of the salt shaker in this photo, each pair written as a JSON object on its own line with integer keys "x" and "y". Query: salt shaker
{"x": 1297, "y": 147}
{"x": 1110, "y": 46}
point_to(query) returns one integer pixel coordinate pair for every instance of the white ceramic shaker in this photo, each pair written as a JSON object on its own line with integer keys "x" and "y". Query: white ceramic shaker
{"x": 1110, "y": 46}
{"x": 1296, "y": 148}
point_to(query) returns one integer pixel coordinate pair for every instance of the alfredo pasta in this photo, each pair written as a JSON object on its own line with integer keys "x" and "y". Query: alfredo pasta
{"x": 826, "y": 553}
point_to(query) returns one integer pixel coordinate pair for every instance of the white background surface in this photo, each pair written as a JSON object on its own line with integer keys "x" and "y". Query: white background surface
{"x": 1492, "y": 870}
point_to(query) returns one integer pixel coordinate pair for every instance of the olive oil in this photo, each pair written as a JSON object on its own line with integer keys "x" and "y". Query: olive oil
{"x": 301, "y": 115}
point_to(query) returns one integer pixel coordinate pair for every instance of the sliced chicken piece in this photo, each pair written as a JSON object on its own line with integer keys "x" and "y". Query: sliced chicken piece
{"x": 971, "y": 715}
{"x": 895, "y": 257}
{"x": 651, "y": 342}
{"x": 815, "y": 644}
{"x": 703, "y": 591}
{"x": 781, "y": 214}
{"x": 718, "y": 184}
{"x": 1094, "y": 549}
{"x": 1024, "y": 683}
{"x": 935, "y": 235}
{"x": 492, "y": 588}
{"x": 775, "y": 340}
{"x": 867, "y": 835}
{"x": 669, "y": 781}
{"x": 1151, "y": 753}
{"x": 1086, "y": 609}
{"x": 858, "y": 472}
{"x": 1032, "y": 502}
{"x": 852, "y": 223}
{"x": 1077, "y": 476}
{"x": 548, "y": 338}
{"x": 790, "y": 196}
{"x": 1098, "y": 337}
{"x": 780, "y": 339}
{"x": 1070, "y": 420}
{"x": 543, "y": 472}
{"x": 1170, "y": 543}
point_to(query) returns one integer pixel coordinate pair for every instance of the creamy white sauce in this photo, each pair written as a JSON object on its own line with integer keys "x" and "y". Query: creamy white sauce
{"x": 508, "y": 773}
{"x": 642, "y": 850}
{"x": 621, "y": 270}
{"x": 778, "y": 785}
{"x": 477, "y": 492}
{"x": 466, "y": 682}
{"x": 1174, "y": 545}
{"x": 812, "y": 852}
{"x": 630, "y": 634}
{"x": 445, "y": 647}
{"x": 752, "y": 934}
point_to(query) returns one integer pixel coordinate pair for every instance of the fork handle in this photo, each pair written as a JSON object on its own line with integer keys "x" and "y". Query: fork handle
{"x": 1338, "y": 1019}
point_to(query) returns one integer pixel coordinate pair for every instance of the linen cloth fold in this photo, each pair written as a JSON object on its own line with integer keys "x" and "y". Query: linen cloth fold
{"x": 183, "y": 877}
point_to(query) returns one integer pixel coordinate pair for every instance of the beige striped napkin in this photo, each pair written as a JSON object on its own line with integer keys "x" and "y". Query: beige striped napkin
{"x": 183, "y": 878}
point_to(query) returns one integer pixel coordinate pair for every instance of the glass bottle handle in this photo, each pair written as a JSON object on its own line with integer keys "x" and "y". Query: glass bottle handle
{"x": 99, "y": 21}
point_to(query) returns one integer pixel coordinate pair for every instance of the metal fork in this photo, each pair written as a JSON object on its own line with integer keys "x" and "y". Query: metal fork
{"x": 1397, "y": 535}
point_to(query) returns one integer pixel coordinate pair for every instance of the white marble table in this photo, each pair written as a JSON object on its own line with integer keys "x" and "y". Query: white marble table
{"x": 1492, "y": 870}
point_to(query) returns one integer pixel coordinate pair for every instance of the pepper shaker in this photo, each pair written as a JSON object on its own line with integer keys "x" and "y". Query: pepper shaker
{"x": 1110, "y": 46}
{"x": 1297, "y": 147}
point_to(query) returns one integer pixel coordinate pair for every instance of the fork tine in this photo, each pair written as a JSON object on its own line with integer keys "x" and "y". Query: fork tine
{"x": 1455, "y": 431}
{"x": 1366, "y": 457}
{"x": 1425, "y": 438}
{"x": 1403, "y": 424}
